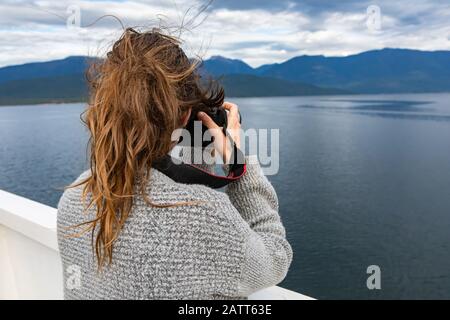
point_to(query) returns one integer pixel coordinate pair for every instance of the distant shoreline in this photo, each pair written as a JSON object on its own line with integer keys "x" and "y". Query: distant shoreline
{"x": 29, "y": 102}
{"x": 77, "y": 101}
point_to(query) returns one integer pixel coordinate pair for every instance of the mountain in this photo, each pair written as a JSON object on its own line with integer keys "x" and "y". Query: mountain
{"x": 218, "y": 66}
{"x": 247, "y": 85}
{"x": 45, "y": 82}
{"x": 378, "y": 71}
{"x": 64, "y": 81}
{"x": 56, "y": 68}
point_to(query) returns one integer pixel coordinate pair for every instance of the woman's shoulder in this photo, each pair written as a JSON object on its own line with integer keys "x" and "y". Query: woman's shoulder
{"x": 205, "y": 200}
{"x": 75, "y": 189}
{"x": 163, "y": 185}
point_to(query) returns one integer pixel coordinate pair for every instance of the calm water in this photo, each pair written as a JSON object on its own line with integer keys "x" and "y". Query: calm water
{"x": 363, "y": 180}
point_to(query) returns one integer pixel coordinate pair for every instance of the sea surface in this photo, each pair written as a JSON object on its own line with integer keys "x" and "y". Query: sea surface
{"x": 363, "y": 180}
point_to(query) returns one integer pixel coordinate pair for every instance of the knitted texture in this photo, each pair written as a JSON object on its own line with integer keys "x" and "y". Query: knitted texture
{"x": 226, "y": 246}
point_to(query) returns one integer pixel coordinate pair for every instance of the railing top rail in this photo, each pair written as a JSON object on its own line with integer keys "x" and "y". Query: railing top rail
{"x": 32, "y": 219}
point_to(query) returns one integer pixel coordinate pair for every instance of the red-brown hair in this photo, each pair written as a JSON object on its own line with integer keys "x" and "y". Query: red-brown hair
{"x": 139, "y": 94}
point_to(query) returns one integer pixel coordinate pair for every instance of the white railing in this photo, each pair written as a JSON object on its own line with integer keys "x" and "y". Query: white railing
{"x": 30, "y": 266}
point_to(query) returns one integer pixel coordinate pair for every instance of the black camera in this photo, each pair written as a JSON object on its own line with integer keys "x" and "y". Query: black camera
{"x": 191, "y": 174}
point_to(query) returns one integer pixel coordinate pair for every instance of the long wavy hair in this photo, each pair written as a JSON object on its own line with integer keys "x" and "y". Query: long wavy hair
{"x": 138, "y": 96}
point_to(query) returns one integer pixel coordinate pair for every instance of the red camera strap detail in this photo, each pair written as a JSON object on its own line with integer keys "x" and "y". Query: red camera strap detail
{"x": 233, "y": 174}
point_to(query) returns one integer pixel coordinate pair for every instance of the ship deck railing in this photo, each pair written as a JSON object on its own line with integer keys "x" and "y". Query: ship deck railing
{"x": 30, "y": 265}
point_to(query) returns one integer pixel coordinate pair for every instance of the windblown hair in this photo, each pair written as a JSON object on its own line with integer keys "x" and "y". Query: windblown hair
{"x": 139, "y": 95}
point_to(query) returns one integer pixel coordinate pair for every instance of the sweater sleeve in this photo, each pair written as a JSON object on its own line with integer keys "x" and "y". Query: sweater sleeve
{"x": 267, "y": 253}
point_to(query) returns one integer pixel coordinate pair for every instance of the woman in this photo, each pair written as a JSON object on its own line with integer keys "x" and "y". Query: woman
{"x": 126, "y": 230}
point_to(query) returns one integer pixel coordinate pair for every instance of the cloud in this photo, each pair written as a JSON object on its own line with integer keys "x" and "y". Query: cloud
{"x": 256, "y": 31}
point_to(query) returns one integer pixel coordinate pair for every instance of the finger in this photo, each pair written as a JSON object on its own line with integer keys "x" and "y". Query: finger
{"x": 213, "y": 128}
{"x": 231, "y": 107}
{"x": 233, "y": 111}
{"x": 207, "y": 121}
{"x": 221, "y": 142}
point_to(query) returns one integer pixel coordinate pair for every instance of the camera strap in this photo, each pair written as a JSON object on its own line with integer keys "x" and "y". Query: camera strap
{"x": 192, "y": 174}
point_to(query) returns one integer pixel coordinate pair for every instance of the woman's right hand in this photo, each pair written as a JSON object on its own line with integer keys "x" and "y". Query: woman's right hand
{"x": 222, "y": 144}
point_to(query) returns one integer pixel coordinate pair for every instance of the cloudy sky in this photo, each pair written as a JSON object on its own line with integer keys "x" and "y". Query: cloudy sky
{"x": 256, "y": 31}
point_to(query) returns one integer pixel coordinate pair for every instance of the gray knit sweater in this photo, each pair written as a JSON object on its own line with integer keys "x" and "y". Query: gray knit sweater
{"x": 226, "y": 247}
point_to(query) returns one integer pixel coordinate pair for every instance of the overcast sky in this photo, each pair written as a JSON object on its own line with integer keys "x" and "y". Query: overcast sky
{"x": 255, "y": 31}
